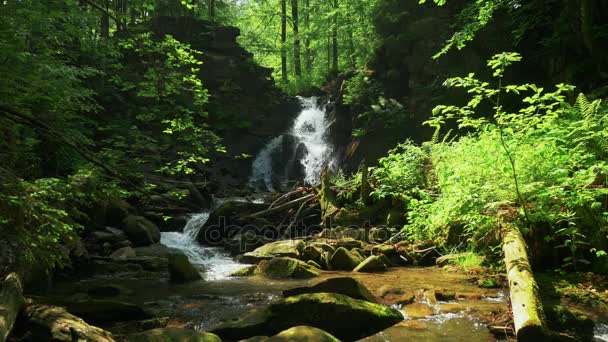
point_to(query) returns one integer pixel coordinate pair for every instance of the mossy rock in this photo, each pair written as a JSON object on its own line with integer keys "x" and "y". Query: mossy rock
{"x": 314, "y": 264}
{"x": 140, "y": 230}
{"x": 570, "y": 321}
{"x": 343, "y": 260}
{"x": 102, "y": 311}
{"x": 303, "y": 333}
{"x": 324, "y": 246}
{"x": 174, "y": 335}
{"x": 312, "y": 253}
{"x": 281, "y": 268}
{"x": 358, "y": 253}
{"x": 344, "y": 285}
{"x": 181, "y": 270}
{"x": 374, "y": 263}
{"x": 342, "y": 316}
{"x": 344, "y": 232}
{"x": 245, "y": 272}
{"x": 379, "y": 235}
{"x": 286, "y": 248}
{"x": 349, "y": 243}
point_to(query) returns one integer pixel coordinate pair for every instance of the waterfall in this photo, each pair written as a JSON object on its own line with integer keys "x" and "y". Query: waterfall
{"x": 299, "y": 154}
{"x": 214, "y": 260}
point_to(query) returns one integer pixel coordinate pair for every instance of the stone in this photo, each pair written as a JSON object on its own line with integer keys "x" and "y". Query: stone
{"x": 285, "y": 248}
{"x": 117, "y": 210}
{"x": 181, "y": 270}
{"x": 344, "y": 285}
{"x": 349, "y": 243}
{"x": 373, "y": 263}
{"x": 445, "y": 294}
{"x": 173, "y": 335}
{"x": 314, "y": 264}
{"x": 140, "y": 230}
{"x": 341, "y": 316}
{"x": 50, "y": 323}
{"x": 324, "y": 246}
{"x": 312, "y": 253}
{"x": 343, "y": 260}
{"x": 303, "y": 333}
{"x": 123, "y": 253}
{"x": 224, "y": 222}
{"x": 245, "y": 272}
{"x": 344, "y": 232}
{"x": 379, "y": 235}
{"x": 417, "y": 310}
{"x": 155, "y": 250}
{"x": 103, "y": 311}
{"x": 281, "y": 268}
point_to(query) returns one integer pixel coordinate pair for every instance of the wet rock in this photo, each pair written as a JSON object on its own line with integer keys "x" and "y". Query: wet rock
{"x": 135, "y": 327}
{"x": 181, "y": 270}
{"x": 173, "y": 335}
{"x": 373, "y": 263}
{"x": 175, "y": 223}
{"x": 349, "y": 243}
{"x": 451, "y": 308}
{"x": 245, "y": 272}
{"x": 156, "y": 250}
{"x": 50, "y": 323}
{"x": 280, "y": 268}
{"x": 225, "y": 222}
{"x": 343, "y": 317}
{"x": 343, "y": 260}
{"x": 323, "y": 246}
{"x": 123, "y": 253}
{"x": 312, "y": 253}
{"x": 117, "y": 210}
{"x": 140, "y": 230}
{"x": 345, "y": 285}
{"x": 303, "y": 334}
{"x": 285, "y": 248}
{"x": 418, "y": 310}
{"x": 108, "y": 267}
{"x": 468, "y": 295}
{"x": 445, "y": 294}
{"x": 314, "y": 264}
{"x": 107, "y": 291}
{"x": 101, "y": 311}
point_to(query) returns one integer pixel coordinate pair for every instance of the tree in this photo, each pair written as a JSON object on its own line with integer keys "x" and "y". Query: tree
{"x": 296, "y": 41}
{"x": 284, "y": 74}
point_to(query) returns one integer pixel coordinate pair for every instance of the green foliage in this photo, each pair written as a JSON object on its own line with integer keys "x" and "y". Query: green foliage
{"x": 402, "y": 172}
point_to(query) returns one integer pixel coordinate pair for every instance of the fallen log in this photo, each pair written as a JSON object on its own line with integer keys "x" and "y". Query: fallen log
{"x": 47, "y": 323}
{"x": 11, "y": 301}
{"x": 528, "y": 316}
{"x": 282, "y": 207}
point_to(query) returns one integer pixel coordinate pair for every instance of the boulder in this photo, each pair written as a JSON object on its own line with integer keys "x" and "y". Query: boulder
{"x": 280, "y": 268}
{"x": 349, "y": 243}
{"x": 344, "y": 232}
{"x": 117, "y": 210}
{"x": 344, "y": 285}
{"x": 373, "y": 263}
{"x": 324, "y": 246}
{"x": 140, "y": 230}
{"x": 343, "y": 260}
{"x": 285, "y": 248}
{"x": 102, "y": 311}
{"x": 180, "y": 268}
{"x": 245, "y": 272}
{"x": 155, "y": 250}
{"x": 418, "y": 310}
{"x": 50, "y": 323}
{"x": 314, "y": 264}
{"x": 173, "y": 335}
{"x": 312, "y": 253}
{"x": 224, "y": 222}
{"x": 123, "y": 253}
{"x": 303, "y": 333}
{"x": 343, "y": 317}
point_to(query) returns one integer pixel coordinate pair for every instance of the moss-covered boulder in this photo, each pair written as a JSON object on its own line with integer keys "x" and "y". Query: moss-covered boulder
{"x": 314, "y": 264}
{"x": 570, "y": 322}
{"x": 312, "y": 253}
{"x": 342, "y": 316}
{"x": 343, "y": 260}
{"x": 281, "y": 268}
{"x": 286, "y": 248}
{"x": 140, "y": 230}
{"x": 174, "y": 335}
{"x": 245, "y": 272}
{"x": 180, "y": 268}
{"x": 344, "y": 232}
{"x": 344, "y": 285}
{"x": 303, "y": 333}
{"x": 374, "y": 263}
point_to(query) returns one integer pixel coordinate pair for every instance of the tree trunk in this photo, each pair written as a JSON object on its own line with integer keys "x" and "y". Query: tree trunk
{"x": 327, "y": 199}
{"x": 366, "y": 189}
{"x": 334, "y": 37}
{"x": 296, "y": 39}
{"x": 284, "y": 41}
{"x": 212, "y": 9}
{"x": 527, "y": 308}
{"x": 11, "y": 301}
{"x": 105, "y": 22}
{"x": 307, "y": 58}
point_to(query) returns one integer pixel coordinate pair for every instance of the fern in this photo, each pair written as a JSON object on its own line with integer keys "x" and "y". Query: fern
{"x": 585, "y": 107}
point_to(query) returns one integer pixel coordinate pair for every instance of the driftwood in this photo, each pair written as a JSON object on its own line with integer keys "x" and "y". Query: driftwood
{"x": 11, "y": 301}
{"x": 284, "y": 198}
{"x": 527, "y": 308}
{"x": 282, "y": 207}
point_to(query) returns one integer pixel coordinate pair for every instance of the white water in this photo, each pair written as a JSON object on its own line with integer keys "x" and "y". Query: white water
{"x": 216, "y": 262}
{"x": 600, "y": 332}
{"x": 309, "y": 129}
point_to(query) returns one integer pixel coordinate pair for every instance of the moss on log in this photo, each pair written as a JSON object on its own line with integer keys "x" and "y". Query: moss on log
{"x": 11, "y": 301}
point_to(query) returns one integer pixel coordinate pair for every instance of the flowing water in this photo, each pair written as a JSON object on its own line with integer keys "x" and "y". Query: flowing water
{"x": 601, "y": 332}
{"x": 216, "y": 263}
{"x": 299, "y": 154}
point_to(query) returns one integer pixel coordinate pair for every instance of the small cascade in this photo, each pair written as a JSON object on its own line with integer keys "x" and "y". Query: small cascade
{"x": 216, "y": 262}
{"x": 600, "y": 333}
{"x": 299, "y": 154}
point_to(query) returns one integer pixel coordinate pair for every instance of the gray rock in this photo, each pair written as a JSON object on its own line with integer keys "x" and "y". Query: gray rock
{"x": 180, "y": 268}
{"x": 140, "y": 231}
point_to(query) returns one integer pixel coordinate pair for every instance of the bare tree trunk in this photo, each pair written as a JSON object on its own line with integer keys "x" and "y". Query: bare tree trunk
{"x": 334, "y": 38}
{"x": 105, "y": 22}
{"x": 296, "y": 39}
{"x": 212, "y": 9}
{"x": 307, "y": 57}
{"x": 284, "y": 40}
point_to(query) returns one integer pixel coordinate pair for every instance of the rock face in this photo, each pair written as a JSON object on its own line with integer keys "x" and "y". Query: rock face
{"x": 140, "y": 230}
{"x": 344, "y": 317}
{"x": 180, "y": 268}
{"x": 345, "y": 286}
{"x": 286, "y": 248}
{"x": 174, "y": 335}
{"x": 280, "y": 268}
{"x": 49, "y": 323}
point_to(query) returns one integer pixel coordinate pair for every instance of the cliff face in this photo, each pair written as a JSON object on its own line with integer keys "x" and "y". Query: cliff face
{"x": 245, "y": 108}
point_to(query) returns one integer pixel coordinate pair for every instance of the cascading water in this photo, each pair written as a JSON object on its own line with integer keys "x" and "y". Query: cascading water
{"x": 299, "y": 154}
{"x": 214, "y": 260}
